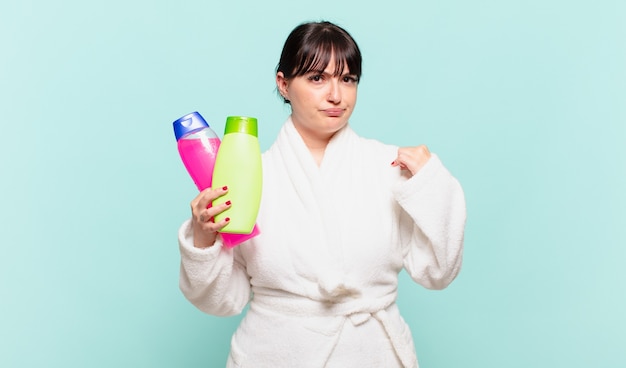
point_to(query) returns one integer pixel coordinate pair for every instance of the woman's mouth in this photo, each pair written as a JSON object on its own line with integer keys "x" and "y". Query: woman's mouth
{"x": 334, "y": 112}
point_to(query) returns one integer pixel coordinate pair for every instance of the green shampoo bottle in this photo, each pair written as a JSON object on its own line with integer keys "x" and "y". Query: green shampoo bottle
{"x": 238, "y": 167}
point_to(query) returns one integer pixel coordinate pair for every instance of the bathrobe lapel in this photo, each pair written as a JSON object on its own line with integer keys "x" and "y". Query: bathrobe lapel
{"x": 318, "y": 189}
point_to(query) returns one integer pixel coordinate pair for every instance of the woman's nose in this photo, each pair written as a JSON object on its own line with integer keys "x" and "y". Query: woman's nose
{"x": 334, "y": 93}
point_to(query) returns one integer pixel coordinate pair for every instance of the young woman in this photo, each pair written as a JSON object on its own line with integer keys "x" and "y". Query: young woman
{"x": 340, "y": 217}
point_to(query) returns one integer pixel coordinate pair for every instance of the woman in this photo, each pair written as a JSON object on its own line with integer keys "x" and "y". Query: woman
{"x": 341, "y": 216}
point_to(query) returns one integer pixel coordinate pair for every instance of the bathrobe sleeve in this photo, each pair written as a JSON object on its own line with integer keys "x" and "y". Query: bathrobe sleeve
{"x": 213, "y": 279}
{"x": 432, "y": 224}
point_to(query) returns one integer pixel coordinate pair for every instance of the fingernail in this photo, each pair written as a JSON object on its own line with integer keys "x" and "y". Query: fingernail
{"x": 224, "y": 187}
{"x": 227, "y": 219}
{"x": 228, "y": 203}
{"x": 393, "y": 162}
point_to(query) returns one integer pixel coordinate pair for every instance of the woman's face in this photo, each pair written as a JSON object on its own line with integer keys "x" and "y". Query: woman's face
{"x": 321, "y": 103}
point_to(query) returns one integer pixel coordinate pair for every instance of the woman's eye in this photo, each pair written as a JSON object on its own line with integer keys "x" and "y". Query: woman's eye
{"x": 349, "y": 79}
{"x": 316, "y": 78}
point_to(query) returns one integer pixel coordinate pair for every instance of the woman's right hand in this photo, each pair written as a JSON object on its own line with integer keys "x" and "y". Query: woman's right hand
{"x": 204, "y": 228}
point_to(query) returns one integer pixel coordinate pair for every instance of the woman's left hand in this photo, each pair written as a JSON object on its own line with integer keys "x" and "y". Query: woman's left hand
{"x": 412, "y": 158}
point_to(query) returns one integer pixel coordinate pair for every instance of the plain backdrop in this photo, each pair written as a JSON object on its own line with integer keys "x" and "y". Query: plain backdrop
{"x": 524, "y": 101}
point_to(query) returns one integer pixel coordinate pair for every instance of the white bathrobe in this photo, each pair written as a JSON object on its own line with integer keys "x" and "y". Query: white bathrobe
{"x": 322, "y": 277}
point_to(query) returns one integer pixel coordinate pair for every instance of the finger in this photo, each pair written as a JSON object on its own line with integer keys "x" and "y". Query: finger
{"x": 216, "y": 210}
{"x": 412, "y": 158}
{"x": 207, "y": 214}
{"x": 205, "y": 198}
{"x": 205, "y": 218}
{"x": 397, "y": 162}
{"x": 401, "y": 158}
{"x": 220, "y": 225}
{"x": 214, "y": 226}
{"x": 212, "y": 195}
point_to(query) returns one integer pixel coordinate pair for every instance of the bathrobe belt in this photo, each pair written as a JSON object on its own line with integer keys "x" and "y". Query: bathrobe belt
{"x": 357, "y": 311}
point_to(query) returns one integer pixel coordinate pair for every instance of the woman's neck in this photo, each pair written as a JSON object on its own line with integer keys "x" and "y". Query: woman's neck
{"x": 316, "y": 143}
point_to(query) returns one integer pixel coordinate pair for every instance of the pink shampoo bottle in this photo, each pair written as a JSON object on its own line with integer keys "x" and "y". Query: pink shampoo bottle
{"x": 198, "y": 145}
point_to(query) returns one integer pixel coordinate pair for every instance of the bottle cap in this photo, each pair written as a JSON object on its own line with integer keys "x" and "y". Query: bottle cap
{"x": 188, "y": 124}
{"x": 241, "y": 124}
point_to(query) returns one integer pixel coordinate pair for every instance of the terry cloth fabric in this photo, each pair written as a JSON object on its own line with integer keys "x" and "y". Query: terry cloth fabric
{"x": 322, "y": 276}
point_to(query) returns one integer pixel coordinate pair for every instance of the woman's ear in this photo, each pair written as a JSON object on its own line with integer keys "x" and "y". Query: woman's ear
{"x": 281, "y": 84}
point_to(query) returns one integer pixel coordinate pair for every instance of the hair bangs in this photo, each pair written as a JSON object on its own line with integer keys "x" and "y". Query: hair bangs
{"x": 316, "y": 57}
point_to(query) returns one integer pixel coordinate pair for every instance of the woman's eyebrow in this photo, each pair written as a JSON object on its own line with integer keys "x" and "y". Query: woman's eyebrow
{"x": 332, "y": 73}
